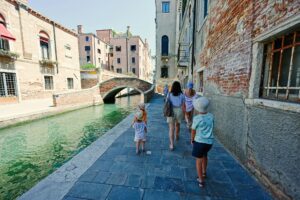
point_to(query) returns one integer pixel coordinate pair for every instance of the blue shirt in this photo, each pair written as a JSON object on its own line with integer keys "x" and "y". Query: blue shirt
{"x": 176, "y": 101}
{"x": 204, "y": 124}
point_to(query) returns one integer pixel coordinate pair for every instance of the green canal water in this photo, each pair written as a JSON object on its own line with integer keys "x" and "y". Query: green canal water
{"x": 31, "y": 151}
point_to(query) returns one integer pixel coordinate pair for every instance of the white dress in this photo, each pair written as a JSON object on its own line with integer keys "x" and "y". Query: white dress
{"x": 140, "y": 133}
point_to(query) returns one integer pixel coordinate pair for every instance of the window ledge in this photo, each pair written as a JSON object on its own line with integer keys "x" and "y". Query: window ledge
{"x": 286, "y": 106}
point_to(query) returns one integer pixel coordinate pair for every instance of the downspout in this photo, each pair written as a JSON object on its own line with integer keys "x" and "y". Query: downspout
{"x": 95, "y": 51}
{"x": 55, "y": 49}
{"x": 194, "y": 39}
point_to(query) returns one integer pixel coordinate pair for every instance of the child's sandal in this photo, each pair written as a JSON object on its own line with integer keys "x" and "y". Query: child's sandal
{"x": 201, "y": 184}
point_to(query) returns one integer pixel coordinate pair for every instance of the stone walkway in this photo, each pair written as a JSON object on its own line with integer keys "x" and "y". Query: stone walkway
{"x": 120, "y": 174}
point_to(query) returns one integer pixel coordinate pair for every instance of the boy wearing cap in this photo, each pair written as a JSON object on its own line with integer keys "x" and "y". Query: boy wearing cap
{"x": 140, "y": 132}
{"x": 202, "y": 136}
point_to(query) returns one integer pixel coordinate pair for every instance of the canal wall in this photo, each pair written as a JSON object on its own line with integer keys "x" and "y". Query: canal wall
{"x": 89, "y": 96}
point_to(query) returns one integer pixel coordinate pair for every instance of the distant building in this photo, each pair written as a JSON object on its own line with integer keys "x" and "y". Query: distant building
{"x": 37, "y": 55}
{"x": 131, "y": 55}
{"x": 167, "y": 32}
{"x": 93, "y": 51}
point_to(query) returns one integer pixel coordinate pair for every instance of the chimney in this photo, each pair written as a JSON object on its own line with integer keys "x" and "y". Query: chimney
{"x": 128, "y": 31}
{"x": 79, "y": 29}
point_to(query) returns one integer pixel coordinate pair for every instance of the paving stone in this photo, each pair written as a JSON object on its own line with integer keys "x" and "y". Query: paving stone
{"x": 133, "y": 180}
{"x": 125, "y": 193}
{"x": 89, "y": 190}
{"x": 157, "y": 195}
{"x": 116, "y": 179}
{"x": 88, "y": 176}
{"x": 169, "y": 184}
{"x": 164, "y": 174}
{"x": 102, "y": 177}
{"x": 72, "y": 198}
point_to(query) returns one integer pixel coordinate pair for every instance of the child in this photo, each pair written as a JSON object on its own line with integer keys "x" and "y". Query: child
{"x": 202, "y": 136}
{"x": 143, "y": 110}
{"x": 189, "y": 95}
{"x": 140, "y": 132}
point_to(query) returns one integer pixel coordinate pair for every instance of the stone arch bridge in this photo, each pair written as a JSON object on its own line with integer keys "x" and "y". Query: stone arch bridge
{"x": 110, "y": 88}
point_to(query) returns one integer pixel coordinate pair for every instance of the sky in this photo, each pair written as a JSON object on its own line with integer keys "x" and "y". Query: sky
{"x": 102, "y": 14}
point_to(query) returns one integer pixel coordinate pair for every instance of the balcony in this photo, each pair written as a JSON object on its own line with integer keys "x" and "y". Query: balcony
{"x": 49, "y": 63}
{"x": 183, "y": 55}
{"x": 8, "y": 54}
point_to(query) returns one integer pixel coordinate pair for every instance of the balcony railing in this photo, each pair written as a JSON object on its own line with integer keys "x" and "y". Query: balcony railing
{"x": 46, "y": 62}
{"x": 8, "y": 54}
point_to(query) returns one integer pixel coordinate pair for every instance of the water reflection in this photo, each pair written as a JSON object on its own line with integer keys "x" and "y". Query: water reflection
{"x": 31, "y": 151}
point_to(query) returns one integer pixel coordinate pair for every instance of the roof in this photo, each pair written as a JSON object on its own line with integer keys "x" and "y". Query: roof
{"x": 42, "y": 17}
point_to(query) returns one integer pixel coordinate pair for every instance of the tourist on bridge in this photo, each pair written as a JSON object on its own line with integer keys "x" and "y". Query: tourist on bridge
{"x": 202, "y": 136}
{"x": 176, "y": 98}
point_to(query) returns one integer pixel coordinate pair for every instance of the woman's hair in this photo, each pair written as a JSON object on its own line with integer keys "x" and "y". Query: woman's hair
{"x": 176, "y": 88}
{"x": 191, "y": 92}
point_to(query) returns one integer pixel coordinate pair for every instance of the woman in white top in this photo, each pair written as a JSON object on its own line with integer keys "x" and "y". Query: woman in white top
{"x": 177, "y": 99}
{"x": 189, "y": 95}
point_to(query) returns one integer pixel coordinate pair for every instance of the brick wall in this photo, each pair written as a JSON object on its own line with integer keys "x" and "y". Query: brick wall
{"x": 89, "y": 96}
{"x": 261, "y": 137}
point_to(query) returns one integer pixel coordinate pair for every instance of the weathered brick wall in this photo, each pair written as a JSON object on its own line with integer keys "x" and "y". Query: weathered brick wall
{"x": 268, "y": 14}
{"x": 228, "y": 47}
{"x": 88, "y": 83}
{"x": 87, "y": 96}
{"x": 262, "y": 138}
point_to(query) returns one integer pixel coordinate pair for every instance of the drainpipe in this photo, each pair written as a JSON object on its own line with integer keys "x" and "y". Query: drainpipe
{"x": 127, "y": 37}
{"x": 194, "y": 39}
{"x": 55, "y": 49}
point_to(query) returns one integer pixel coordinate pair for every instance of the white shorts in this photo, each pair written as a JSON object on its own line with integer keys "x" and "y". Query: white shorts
{"x": 178, "y": 116}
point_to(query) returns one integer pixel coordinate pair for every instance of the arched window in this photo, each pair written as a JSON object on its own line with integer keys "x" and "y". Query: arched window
{"x": 164, "y": 45}
{"x": 44, "y": 45}
{"x": 5, "y": 35}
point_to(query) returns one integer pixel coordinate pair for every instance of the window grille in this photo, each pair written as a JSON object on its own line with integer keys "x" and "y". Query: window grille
{"x": 70, "y": 83}
{"x": 48, "y": 82}
{"x": 281, "y": 76}
{"x": 8, "y": 84}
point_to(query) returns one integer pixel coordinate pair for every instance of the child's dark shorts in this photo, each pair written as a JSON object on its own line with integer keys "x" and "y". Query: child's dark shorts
{"x": 200, "y": 149}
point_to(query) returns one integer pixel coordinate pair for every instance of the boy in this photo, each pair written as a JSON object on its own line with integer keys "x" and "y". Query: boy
{"x": 202, "y": 136}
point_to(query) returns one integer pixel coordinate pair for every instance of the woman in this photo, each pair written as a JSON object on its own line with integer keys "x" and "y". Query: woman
{"x": 189, "y": 95}
{"x": 177, "y": 100}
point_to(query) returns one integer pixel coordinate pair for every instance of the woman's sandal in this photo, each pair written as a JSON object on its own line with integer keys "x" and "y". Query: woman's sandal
{"x": 204, "y": 175}
{"x": 201, "y": 184}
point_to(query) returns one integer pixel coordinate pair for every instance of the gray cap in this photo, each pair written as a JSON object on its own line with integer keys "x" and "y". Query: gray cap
{"x": 201, "y": 104}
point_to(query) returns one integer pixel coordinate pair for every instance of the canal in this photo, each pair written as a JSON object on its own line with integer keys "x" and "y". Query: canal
{"x": 31, "y": 151}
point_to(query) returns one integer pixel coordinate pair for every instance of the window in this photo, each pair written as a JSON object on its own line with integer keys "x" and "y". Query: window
{"x": 87, "y": 38}
{"x": 133, "y": 70}
{"x": 133, "y": 59}
{"x": 4, "y": 44}
{"x": 8, "y": 84}
{"x": 68, "y": 51}
{"x": 119, "y": 70}
{"x": 133, "y": 47}
{"x": 44, "y": 45}
{"x": 201, "y": 80}
{"x": 87, "y": 48}
{"x": 98, "y": 41}
{"x": 281, "y": 76}
{"x": 164, "y": 45}
{"x": 88, "y": 59}
{"x": 166, "y": 7}
{"x": 48, "y": 82}
{"x": 118, "y": 48}
{"x": 205, "y": 8}
{"x": 164, "y": 72}
{"x": 70, "y": 83}
{"x": 99, "y": 60}
{"x": 99, "y": 51}
{"x": 119, "y": 60}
